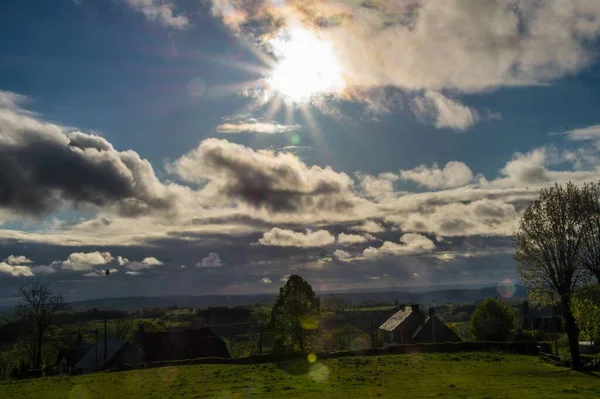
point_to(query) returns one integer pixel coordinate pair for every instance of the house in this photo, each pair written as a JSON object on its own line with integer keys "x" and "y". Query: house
{"x": 411, "y": 326}
{"x": 68, "y": 358}
{"x": 88, "y": 358}
{"x": 180, "y": 344}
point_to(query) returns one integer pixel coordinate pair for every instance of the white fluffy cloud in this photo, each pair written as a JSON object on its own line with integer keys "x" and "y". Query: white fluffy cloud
{"x": 589, "y": 133}
{"x": 146, "y": 264}
{"x": 410, "y": 244}
{"x": 454, "y": 174}
{"x": 80, "y": 261}
{"x": 211, "y": 261}
{"x": 161, "y": 11}
{"x": 266, "y": 280}
{"x": 354, "y": 239}
{"x": 285, "y": 278}
{"x": 15, "y": 270}
{"x": 277, "y": 237}
{"x": 369, "y": 226}
{"x": 444, "y": 112}
{"x": 18, "y": 260}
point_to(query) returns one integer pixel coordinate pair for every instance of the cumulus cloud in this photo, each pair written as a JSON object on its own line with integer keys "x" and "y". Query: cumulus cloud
{"x": 211, "y": 261}
{"x": 266, "y": 280}
{"x": 589, "y": 133}
{"x": 277, "y": 237}
{"x": 354, "y": 239}
{"x": 42, "y": 270}
{"x": 410, "y": 244}
{"x": 81, "y": 261}
{"x": 379, "y": 186}
{"x": 369, "y": 226}
{"x": 464, "y": 45}
{"x": 161, "y": 11}
{"x": 18, "y": 260}
{"x": 444, "y": 112}
{"x": 43, "y": 165}
{"x": 15, "y": 270}
{"x": 278, "y": 183}
{"x": 285, "y": 278}
{"x": 255, "y": 126}
{"x": 146, "y": 264}
{"x": 343, "y": 255}
{"x": 454, "y": 174}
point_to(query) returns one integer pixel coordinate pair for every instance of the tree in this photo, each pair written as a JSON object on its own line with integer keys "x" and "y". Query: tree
{"x": 37, "y": 308}
{"x": 590, "y": 255}
{"x": 493, "y": 320}
{"x": 548, "y": 247}
{"x": 295, "y": 312}
{"x": 586, "y": 309}
{"x": 348, "y": 337}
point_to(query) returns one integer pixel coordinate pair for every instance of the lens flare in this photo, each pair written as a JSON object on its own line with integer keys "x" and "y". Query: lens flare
{"x": 506, "y": 288}
{"x": 311, "y": 358}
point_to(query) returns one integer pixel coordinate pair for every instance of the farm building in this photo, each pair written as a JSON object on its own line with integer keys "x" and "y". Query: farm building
{"x": 411, "y": 326}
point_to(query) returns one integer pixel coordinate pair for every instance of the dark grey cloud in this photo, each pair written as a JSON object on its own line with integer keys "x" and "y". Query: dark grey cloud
{"x": 42, "y": 166}
{"x": 279, "y": 183}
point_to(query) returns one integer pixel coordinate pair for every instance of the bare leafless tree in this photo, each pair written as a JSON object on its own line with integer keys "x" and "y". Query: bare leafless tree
{"x": 37, "y": 307}
{"x": 590, "y": 256}
{"x": 548, "y": 247}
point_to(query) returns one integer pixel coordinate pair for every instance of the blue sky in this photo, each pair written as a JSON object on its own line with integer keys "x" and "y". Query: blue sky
{"x": 141, "y": 136}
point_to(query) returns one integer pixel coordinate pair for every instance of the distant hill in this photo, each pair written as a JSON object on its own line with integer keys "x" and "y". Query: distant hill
{"x": 457, "y": 295}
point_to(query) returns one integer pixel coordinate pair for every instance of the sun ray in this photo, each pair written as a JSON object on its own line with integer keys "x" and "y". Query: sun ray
{"x": 274, "y": 107}
{"x": 233, "y": 88}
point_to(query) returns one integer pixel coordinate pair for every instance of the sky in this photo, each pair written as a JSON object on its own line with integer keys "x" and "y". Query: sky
{"x": 195, "y": 147}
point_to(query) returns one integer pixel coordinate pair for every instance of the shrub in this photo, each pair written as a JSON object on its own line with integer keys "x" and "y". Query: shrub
{"x": 493, "y": 320}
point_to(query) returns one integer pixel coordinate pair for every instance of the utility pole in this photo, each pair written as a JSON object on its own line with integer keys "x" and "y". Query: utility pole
{"x": 373, "y": 332}
{"x": 96, "y": 351}
{"x": 260, "y": 341}
{"x": 105, "y": 348}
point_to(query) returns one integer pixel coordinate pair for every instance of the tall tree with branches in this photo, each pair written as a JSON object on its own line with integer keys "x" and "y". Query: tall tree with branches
{"x": 590, "y": 256}
{"x": 296, "y": 312}
{"x": 37, "y": 308}
{"x": 548, "y": 248}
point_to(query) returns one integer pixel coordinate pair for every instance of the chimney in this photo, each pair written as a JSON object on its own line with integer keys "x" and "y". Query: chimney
{"x": 432, "y": 318}
{"x": 415, "y": 307}
{"x": 403, "y": 307}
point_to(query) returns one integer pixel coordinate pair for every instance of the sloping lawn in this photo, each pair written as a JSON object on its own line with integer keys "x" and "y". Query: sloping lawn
{"x": 468, "y": 375}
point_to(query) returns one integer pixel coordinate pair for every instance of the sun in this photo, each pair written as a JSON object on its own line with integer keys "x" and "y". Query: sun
{"x": 306, "y": 67}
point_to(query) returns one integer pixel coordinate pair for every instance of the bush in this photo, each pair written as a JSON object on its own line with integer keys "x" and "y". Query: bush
{"x": 493, "y": 320}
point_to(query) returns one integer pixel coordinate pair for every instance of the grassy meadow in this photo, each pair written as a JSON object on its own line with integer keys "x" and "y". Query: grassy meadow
{"x": 466, "y": 375}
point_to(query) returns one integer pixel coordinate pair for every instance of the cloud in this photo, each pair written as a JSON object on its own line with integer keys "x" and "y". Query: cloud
{"x": 100, "y": 273}
{"x": 146, "y": 264}
{"x": 15, "y": 270}
{"x": 379, "y": 186}
{"x": 285, "y": 278}
{"x": 343, "y": 255}
{"x": 353, "y": 239}
{"x": 18, "y": 260}
{"x": 278, "y": 183}
{"x": 211, "y": 261}
{"x": 454, "y": 174}
{"x": 161, "y": 11}
{"x": 256, "y": 126}
{"x": 43, "y": 165}
{"x": 42, "y": 270}
{"x": 369, "y": 226}
{"x": 266, "y": 280}
{"x": 287, "y": 238}
{"x": 122, "y": 261}
{"x": 410, "y": 244}
{"x": 80, "y": 261}
{"x": 589, "y": 133}
{"x": 444, "y": 112}
{"x": 462, "y": 46}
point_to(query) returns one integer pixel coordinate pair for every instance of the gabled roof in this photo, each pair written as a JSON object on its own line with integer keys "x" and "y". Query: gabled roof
{"x": 400, "y": 317}
{"x": 73, "y": 355}
{"x": 179, "y": 344}
{"x": 89, "y": 362}
{"x": 443, "y": 333}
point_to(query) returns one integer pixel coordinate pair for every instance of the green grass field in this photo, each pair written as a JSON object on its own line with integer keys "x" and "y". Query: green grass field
{"x": 468, "y": 375}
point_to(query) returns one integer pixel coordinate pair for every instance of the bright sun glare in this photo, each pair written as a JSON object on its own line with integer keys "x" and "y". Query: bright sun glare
{"x": 307, "y": 67}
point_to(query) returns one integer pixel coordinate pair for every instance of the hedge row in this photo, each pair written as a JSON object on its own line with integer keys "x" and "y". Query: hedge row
{"x": 529, "y": 348}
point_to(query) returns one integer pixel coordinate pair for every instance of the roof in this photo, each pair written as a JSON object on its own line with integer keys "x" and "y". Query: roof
{"x": 443, "y": 333}
{"x": 88, "y": 362}
{"x": 400, "y": 317}
{"x": 179, "y": 344}
{"x": 73, "y": 355}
